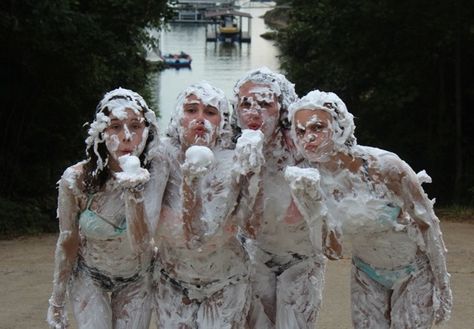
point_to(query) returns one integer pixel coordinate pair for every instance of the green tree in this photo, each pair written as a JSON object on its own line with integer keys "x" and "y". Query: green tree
{"x": 58, "y": 58}
{"x": 404, "y": 68}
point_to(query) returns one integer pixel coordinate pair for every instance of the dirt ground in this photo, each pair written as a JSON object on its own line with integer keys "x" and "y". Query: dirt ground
{"x": 26, "y": 266}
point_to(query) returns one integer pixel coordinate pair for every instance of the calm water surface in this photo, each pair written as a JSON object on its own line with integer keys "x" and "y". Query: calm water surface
{"x": 220, "y": 64}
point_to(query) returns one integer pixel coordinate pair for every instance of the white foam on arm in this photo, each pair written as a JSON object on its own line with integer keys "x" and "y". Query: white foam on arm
{"x": 160, "y": 175}
{"x": 306, "y": 192}
{"x": 68, "y": 239}
{"x": 420, "y": 208}
{"x": 198, "y": 160}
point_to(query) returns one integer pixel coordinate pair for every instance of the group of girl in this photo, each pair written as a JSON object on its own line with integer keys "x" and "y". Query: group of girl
{"x": 228, "y": 220}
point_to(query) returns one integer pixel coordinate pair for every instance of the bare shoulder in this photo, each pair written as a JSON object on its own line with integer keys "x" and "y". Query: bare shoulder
{"x": 72, "y": 177}
{"x": 385, "y": 166}
{"x": 385, "y": 160}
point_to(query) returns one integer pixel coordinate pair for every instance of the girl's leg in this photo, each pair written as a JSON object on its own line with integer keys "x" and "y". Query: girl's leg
{"x": 262, "y": 313}
{"x": 173, "y": 309}
{"x": 90, "y": 303}
{"x": 299, "y": 295}
{"x": 412, "y": 301}
{"x": 370, "y": 302}
{"x": 131, "y": 305}
{"x": 225, "y": 309}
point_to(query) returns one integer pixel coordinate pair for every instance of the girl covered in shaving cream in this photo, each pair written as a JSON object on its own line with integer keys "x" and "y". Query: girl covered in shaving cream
{"x": 289, "y": 265}
{"x": 399, "y": 275}
{"x": 103, "y": 254}
{"x": 202, "y": 269}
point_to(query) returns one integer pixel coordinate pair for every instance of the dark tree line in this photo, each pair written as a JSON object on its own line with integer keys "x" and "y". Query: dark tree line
{"x": 57, "y": 59}
{"x": 405, "y": 69}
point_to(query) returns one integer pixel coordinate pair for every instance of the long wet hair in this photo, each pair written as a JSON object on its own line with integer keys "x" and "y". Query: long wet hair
{"x": 96, "y": 171}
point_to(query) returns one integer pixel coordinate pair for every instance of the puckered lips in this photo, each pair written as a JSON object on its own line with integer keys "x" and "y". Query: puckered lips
{"x": 255, "y": 124}
{"x": 124, "y": 151}
{"x": 310, "y": 147}
{"x": 200, "y": 130}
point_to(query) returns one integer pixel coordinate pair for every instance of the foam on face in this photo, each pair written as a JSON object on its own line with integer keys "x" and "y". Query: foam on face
{"x": 256, "y": 106}
{"x": 319, "y": 129}
{"x": 208, "y": 96}
{"x": 277, "y": 83}
{"x": 342, "y": 124}
{"x": 210, "y": 132}
{"x": 117, "y": 102}
{"x": 112, "y": 142}
{"x": 141, "y": 147}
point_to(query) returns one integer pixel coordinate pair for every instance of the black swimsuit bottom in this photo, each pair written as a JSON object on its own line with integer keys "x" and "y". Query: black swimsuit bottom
{"x": 105, "y": 281}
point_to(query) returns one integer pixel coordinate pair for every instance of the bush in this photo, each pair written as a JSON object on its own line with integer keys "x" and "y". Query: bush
{"x": 26, "y": 216}
{"x": 58, "y": 58}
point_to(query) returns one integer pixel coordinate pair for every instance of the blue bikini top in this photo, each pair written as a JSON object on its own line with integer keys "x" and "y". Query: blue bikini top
{"x": 94, "y": 226}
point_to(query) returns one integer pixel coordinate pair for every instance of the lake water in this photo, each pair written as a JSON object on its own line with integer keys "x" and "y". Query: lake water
{"x": 220, "y": 64}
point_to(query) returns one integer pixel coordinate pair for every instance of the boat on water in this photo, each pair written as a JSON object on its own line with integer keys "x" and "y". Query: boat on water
{"x": 181, "y": 59}
{"x": 226, "y": 26}
{"x": 228, "y": 29}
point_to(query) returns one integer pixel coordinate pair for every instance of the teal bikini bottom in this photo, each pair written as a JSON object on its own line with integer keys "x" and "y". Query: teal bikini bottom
{"x": 386, "y": 277}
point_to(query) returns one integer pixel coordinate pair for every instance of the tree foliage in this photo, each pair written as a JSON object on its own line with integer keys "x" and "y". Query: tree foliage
{"x": 405, "y": 70}
{"x": 58, "y": 58}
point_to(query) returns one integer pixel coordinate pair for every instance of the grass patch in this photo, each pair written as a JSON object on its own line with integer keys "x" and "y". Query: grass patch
{"x": 456, "y": 213}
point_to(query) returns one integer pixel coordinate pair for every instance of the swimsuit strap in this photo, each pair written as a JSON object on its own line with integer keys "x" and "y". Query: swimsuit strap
{"x": 90, "y": 198}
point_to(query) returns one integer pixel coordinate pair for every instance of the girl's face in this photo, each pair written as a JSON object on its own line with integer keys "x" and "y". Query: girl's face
{"x": 200, "y": 123}
{"x": 314, "y": 133}
{"x": 258, "y": 108}
{"x": 126, "y": 134}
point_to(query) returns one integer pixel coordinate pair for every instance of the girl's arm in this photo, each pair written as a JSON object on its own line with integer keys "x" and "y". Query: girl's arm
{"x": 197, "y": 224}
{"x": 192, "y": 208}
{"x": 405, "y": 183}
{"x": 132, "y": 180}
{"x": 247, "y": 181}
{"x": 66, "y": 248}
{"x": 306, "y": 193}
{"x": 138, "y": 228}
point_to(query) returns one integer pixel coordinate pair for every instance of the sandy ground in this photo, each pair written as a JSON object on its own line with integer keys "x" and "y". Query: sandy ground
{"x": 26, "y": 266}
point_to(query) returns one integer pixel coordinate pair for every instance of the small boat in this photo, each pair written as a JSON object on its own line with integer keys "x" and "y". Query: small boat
{"x": 226, "y": 26}
{"x": 177, "y": 60}
{"x": 228, "y": 29}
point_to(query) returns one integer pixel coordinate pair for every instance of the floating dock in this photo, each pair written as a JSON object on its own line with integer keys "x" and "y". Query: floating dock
{"x": 193, "y": 11}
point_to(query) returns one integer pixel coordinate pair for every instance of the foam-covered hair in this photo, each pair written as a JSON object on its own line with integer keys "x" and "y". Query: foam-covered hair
{"x": 209, "y": 95}
{"x": 284, "y": 89}
{"x": 117, "y": 101}
{"x": 343, "y": 120}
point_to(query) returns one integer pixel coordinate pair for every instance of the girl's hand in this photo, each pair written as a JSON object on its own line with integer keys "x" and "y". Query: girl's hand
{"x": 249, "y": 152}
{"x": 304, "y": 183}
{"x": 57, "y": 317}
{"x": 198, "y": 161}
{"x": 443, "y": 313}
{"x": 132, "y": 175}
